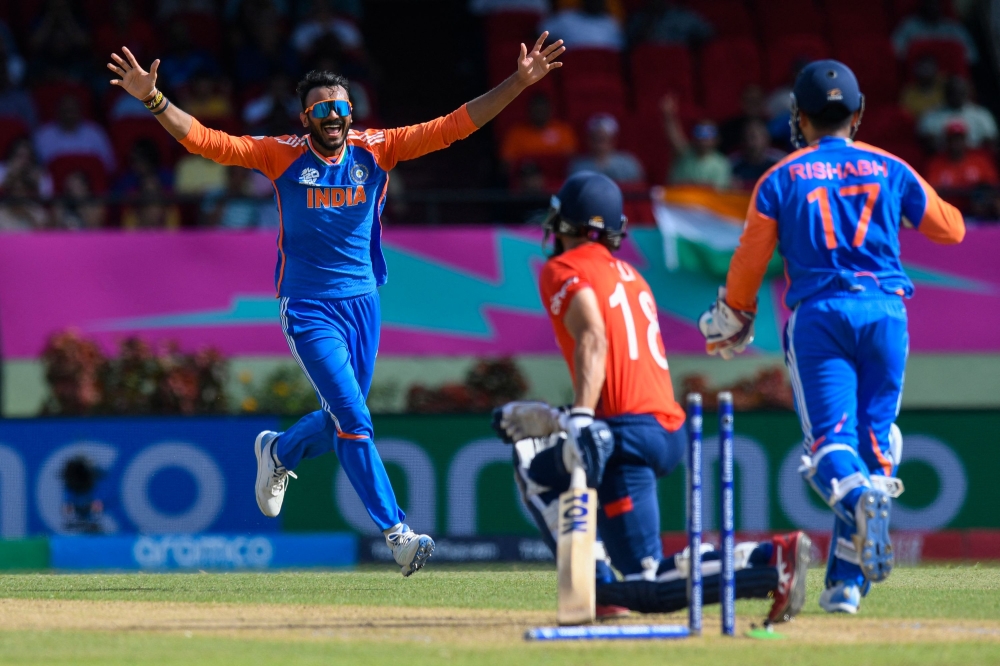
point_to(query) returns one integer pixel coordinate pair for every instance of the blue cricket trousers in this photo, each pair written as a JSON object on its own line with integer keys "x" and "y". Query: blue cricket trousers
{"x": 846, "y": 355}
{"x": 629, "y": 520}
{"x": 335, "y": 342}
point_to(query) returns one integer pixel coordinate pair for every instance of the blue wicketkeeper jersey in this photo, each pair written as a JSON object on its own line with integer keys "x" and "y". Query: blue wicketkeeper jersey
{"x": 834, "y": 210}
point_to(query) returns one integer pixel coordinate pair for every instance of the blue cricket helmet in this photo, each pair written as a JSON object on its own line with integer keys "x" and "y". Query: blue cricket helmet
{"x": 589, "y": 204}
{"x": 820, "y": 85}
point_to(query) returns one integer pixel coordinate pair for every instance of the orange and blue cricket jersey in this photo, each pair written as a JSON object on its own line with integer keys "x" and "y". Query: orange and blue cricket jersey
{"x": 330, "y": 264}
{"x": 833, "y": 210}
{"x": 637, "y": 399}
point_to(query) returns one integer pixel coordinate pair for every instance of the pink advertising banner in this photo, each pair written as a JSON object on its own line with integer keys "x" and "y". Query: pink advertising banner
{"x": 450, "y": 292}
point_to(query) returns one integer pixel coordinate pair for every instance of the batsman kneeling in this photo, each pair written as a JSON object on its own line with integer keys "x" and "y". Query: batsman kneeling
{"x": 595, "y": 463}
{"x": 833, "y": 209}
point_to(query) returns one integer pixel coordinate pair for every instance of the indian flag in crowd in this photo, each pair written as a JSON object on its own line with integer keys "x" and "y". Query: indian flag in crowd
{"x": 701, "y": 228}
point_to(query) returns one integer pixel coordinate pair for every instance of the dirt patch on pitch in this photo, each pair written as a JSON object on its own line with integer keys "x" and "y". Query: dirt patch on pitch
{"x": 425, "y": 625}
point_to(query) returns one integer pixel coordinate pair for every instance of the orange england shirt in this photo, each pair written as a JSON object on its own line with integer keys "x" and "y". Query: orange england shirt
{"x": 638, "y": 381}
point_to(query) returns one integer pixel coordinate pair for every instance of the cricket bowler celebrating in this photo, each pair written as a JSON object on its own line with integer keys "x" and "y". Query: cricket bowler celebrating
{"x": 605, "y": 322}
{"x": 833, "y": 209}
{"x": 329, "y": 187}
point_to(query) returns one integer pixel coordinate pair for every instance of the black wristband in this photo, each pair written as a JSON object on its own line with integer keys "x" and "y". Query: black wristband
{"x": 166, "y": 104}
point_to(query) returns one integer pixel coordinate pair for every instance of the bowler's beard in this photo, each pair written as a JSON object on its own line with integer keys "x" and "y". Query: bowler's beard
{"x": 319, "y": 131}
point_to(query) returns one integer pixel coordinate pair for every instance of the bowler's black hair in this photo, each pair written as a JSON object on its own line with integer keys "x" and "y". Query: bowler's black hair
{"x": 320, "y": 79}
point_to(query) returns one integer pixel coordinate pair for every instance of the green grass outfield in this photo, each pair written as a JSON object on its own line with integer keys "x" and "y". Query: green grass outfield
{"x": 968, "y": 594}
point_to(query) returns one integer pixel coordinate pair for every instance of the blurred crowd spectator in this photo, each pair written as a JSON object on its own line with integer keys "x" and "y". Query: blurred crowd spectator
{"x": 603, "y": 155}
{"x": 699, "y": 92}
{"x": 78, "y": 154}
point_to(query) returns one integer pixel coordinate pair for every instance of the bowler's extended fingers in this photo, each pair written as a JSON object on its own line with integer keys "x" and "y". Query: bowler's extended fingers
{"x": 116, "y": 69}
{"x": 552, "y": 47}
{"x": 120, "y": 62}
{"x": 131, "y": 58}
{"x": 541, "y": 40}
{"x": 551, "y": 57}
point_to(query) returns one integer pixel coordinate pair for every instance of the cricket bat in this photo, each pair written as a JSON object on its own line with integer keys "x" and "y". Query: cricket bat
{"x": 575, "y": 551}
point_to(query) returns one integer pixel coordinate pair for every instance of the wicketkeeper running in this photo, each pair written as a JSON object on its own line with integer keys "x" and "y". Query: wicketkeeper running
{"x": 833, "y": 209}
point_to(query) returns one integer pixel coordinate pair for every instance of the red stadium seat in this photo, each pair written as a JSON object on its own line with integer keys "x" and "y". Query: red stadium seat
{"x": 903, "y": 8}
{"x": 517, "y": 111}
{"x": 729, "y": 17}
{"x": 11, "y": 129}
{"x": 553, "y": 168}
{"x": 204, "y": 29}
{"x": 847, "y": 20}
{"x": 728, "y": 66}
{"x": 501, "y": 59}
{"x": 780, "y": 18}
{"x": 47, "y": 96}
{"x": 638, "y": 207}
{"x": 658, "y": 69}
{"x": 909, "y": 151}
{"x": 591, "y": 62}
{"x": 93, "y": 167}
{"x": 784, "y": 52}
{"x": 887, "y": 124}
{"x": 513, "y": 27}
{"x": 643, "y": 135}
{"x": 874, "y": 63}
{"x": 124, "y": 133}
{"x": 949, "y": 54}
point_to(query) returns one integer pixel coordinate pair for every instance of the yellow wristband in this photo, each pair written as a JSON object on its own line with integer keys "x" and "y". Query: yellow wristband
{"x": 155, "y": 102}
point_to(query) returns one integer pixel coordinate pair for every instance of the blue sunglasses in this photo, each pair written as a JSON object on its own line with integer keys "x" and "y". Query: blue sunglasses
{"x": 321, "y": 110}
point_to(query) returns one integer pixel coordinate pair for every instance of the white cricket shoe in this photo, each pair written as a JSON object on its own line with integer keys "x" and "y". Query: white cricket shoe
{"x": 410, "y": 550}
{"x": 843, "y": 597}
{"x": 271, "y": 479}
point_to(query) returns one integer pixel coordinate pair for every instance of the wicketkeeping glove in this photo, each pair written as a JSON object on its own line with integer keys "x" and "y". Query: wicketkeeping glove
{"x": 727, "y": 331}
{"x": 523, "y": 419}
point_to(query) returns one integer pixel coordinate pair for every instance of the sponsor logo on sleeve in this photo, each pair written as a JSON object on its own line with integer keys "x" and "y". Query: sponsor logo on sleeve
{"x": 556, "y": 302}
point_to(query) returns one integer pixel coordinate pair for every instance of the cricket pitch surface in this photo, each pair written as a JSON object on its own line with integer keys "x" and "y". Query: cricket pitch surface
{"x": 463, "y": 615}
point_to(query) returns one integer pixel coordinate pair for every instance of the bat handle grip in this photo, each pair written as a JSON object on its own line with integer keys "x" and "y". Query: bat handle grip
{"x": 578, "y": 478}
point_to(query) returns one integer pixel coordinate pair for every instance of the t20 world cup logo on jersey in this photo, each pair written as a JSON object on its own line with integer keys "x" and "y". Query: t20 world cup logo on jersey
{"x": 308, "y": 176}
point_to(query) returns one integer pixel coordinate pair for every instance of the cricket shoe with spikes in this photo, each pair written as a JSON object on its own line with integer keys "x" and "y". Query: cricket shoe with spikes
{"x": 844, "y": 597}
{"x": 410, "y": 550}
{"x": 872, "y": 537}
{"x": 272, "y": 480}
{"x": 791, "y": 557}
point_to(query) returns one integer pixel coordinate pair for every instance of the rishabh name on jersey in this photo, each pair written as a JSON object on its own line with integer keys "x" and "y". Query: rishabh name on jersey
{"x": 838, "y": 205}
{"x": 330, "y": 245}
{"x": 637, "y": 378}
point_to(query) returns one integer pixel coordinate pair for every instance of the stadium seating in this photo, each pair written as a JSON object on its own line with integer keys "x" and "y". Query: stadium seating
{"x": 727, "y": 67}
{"x": 784, "y": 52}
{"x": 781, "y": 18}
{"x": 62, "y": 167}
{"x": 47, "y": 96}
{"x": 584, "y": 97}
{"x": 842, "y": 18}
{"x": 729, "y": 18}
{"x": 658, "y": 70}
{"x": 124, "y": 133}
{"x": 552, "y": 167}
{"x": 874, "y": 62}
{"x": 11, "y": 129}
{"x": 582, "y": 63}
{"x": 949, "y": 54}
